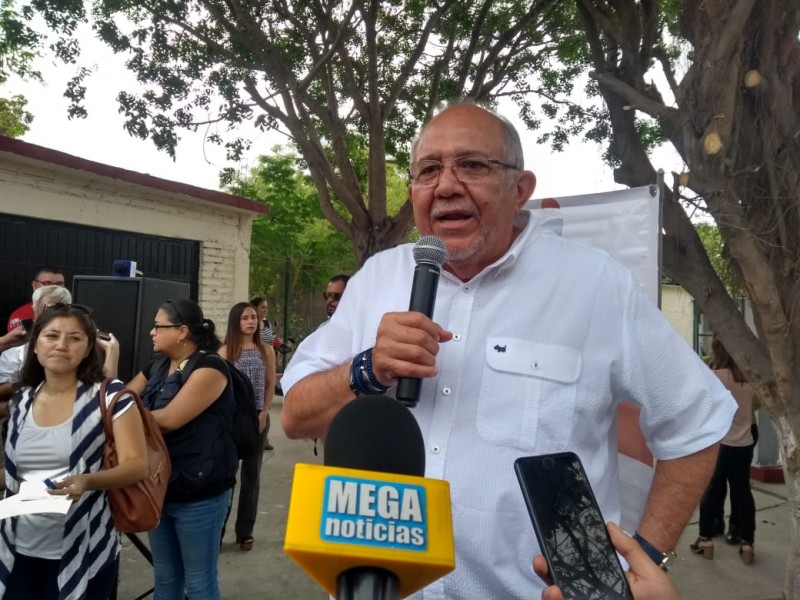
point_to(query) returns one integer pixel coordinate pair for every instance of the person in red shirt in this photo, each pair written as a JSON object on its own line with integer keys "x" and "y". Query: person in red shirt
{"x": 46, "y": 275}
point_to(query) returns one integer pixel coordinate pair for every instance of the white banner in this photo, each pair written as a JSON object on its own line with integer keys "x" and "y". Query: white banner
{"x": 625, "y": 224}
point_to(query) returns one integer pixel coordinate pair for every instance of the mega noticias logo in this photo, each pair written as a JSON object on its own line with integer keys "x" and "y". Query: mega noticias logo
{"x": 374, "y": 513}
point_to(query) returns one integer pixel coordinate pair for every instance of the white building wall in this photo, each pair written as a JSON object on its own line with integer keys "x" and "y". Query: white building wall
{"x": 677, "y": 306}
{"x": 40, "y": 190}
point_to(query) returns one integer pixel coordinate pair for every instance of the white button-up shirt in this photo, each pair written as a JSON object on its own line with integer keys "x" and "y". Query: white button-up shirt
{"x": 546, "y": 342}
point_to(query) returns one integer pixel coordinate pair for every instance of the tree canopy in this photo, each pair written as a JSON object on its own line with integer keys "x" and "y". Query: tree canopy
{"x": 18, "y": 49}
{"x": 294, "y": 246}
{"x": 332, "y": 75}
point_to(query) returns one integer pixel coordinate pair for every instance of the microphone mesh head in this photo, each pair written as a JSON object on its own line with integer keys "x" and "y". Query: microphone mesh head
{"x": 430, "y": 249}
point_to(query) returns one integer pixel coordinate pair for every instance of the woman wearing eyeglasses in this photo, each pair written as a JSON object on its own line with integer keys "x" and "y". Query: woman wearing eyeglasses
{"x": 56, "y": 435}
{"x": 189, "y": 395}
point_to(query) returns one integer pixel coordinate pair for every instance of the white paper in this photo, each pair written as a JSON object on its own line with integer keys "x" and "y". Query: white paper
{"x": 32, "y": 499}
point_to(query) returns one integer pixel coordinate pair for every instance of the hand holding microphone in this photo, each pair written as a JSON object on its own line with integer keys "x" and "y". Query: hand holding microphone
{"x": 429, "y": 255}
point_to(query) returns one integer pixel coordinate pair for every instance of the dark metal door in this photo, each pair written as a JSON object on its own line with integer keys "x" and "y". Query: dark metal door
{"x": 27, "y": 243}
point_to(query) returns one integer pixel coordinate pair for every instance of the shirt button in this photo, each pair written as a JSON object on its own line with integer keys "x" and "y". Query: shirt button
{"x": 535, "y": 364}
{"x": 446, "y": 391}
{"x": 456, "y": 337}
{"x": 435, "y": 449}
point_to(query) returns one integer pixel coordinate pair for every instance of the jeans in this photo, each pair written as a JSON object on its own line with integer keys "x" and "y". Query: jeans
{"x": 185, "y": 548}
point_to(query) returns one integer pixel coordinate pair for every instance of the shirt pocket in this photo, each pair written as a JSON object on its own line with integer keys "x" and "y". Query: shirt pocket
{"x": 528, "y": 394}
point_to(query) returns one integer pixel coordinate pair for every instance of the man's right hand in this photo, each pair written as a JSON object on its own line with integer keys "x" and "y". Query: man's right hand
{"x": 406, "y": 346}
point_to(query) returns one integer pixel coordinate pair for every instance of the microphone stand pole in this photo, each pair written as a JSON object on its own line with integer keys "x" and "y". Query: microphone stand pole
{"x": 367, "y": 583}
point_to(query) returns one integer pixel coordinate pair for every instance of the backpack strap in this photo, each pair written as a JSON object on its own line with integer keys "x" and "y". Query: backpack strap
{"x": 189, "y": 365}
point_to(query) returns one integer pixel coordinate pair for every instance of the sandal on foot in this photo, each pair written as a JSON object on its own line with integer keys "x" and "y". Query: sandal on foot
{"x": 746, "y": 553}
{"x": 246, "y": 543}
{"x": 704, "y": 546}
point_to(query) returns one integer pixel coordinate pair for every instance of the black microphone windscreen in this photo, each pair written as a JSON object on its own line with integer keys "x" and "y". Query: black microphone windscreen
{"x": 375, "y": 433}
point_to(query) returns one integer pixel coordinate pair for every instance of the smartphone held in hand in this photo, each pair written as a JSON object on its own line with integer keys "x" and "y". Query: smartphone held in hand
{"x": 570, "y": 528}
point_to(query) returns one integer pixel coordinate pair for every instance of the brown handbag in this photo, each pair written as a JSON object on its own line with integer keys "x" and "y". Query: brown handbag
{"x": 136, "y": 508}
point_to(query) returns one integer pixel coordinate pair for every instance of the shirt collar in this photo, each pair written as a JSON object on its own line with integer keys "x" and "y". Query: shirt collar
{"x": 533, "y": 223}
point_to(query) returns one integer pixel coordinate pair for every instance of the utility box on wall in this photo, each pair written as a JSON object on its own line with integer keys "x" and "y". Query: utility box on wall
{"x": 125, "y": 306}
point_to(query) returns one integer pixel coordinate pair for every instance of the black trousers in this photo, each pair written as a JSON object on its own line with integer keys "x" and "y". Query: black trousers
{"x": 733, "y": 467}
{"x": 38, "y": 578}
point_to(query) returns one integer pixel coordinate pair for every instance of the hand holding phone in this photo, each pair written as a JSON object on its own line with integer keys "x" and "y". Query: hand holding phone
{"x": 570, "y": 528}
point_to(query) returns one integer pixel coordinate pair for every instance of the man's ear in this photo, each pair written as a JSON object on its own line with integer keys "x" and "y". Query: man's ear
{"x": 526, "y": 184}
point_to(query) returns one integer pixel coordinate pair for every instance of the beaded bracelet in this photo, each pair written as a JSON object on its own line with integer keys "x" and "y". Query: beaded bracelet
{"x": 362, "y": 380}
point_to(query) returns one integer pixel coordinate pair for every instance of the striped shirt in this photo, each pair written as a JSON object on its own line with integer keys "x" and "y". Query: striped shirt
{"x": 267, "y": 335}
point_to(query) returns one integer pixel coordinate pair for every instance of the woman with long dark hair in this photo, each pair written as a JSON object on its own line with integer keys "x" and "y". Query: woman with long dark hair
{"x": 190, "y": 397}
{"x": 733, "y": 463}
{"x": 55, "y": 433}
{"x": 243, "y": 347}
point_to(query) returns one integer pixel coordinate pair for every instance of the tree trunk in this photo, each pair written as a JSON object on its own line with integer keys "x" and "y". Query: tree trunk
{"x": 737, "y": 128}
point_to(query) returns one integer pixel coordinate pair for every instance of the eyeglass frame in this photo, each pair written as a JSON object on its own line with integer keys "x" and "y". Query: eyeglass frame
{"x": 156, "y": 326}
{"x": 333, "y": 295}
{"x": 452, "y": 165}
{"x": 46, "y": 283}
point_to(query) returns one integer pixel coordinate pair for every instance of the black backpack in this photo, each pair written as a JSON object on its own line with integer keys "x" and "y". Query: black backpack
{"x": 244, "y": 424}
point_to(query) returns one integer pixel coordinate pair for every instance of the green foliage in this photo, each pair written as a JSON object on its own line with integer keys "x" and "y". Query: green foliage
{"x": 17, "y": 53}
{"x": 14, "y": 119}
{"x": 712, "y": 240}
{"x": 18, "y": 45}
{"x": 294, "y": 230}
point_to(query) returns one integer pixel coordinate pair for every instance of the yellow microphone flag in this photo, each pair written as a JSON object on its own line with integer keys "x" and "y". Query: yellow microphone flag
{"x": 345, "y": 518}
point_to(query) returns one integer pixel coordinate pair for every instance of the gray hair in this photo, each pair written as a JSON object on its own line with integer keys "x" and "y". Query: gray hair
{"x": 512, "y": 145}
{"x": 50, "y": 293}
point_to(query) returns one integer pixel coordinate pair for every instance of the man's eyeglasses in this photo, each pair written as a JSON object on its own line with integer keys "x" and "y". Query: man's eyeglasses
{"x": 63, "y": 305}
{"x": 332, "y": 296}
{"x": 43, "y": 283}
{"x": 470, "y": 168}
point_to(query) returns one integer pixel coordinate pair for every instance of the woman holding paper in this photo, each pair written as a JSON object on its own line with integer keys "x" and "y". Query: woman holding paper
{"x": 55, "y": 439}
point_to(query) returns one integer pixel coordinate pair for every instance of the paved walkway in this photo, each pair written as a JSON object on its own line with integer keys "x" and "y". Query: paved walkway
{"x": 266, "y": 572}
{"x": 726, "y": 577}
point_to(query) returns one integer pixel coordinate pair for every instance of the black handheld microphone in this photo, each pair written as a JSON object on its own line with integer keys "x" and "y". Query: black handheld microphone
{"x": 429, "y": 254}
{"x": 373, "y": 433}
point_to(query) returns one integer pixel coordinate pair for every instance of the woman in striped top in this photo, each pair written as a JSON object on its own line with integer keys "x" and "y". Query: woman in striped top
{"x": 244, "y": 348}
{"x": 56, "y": 435}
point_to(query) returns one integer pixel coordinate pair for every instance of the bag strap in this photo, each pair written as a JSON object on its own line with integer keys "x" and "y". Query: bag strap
{"x": 107, "y": 411}
{"x": 190, "y": 364}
